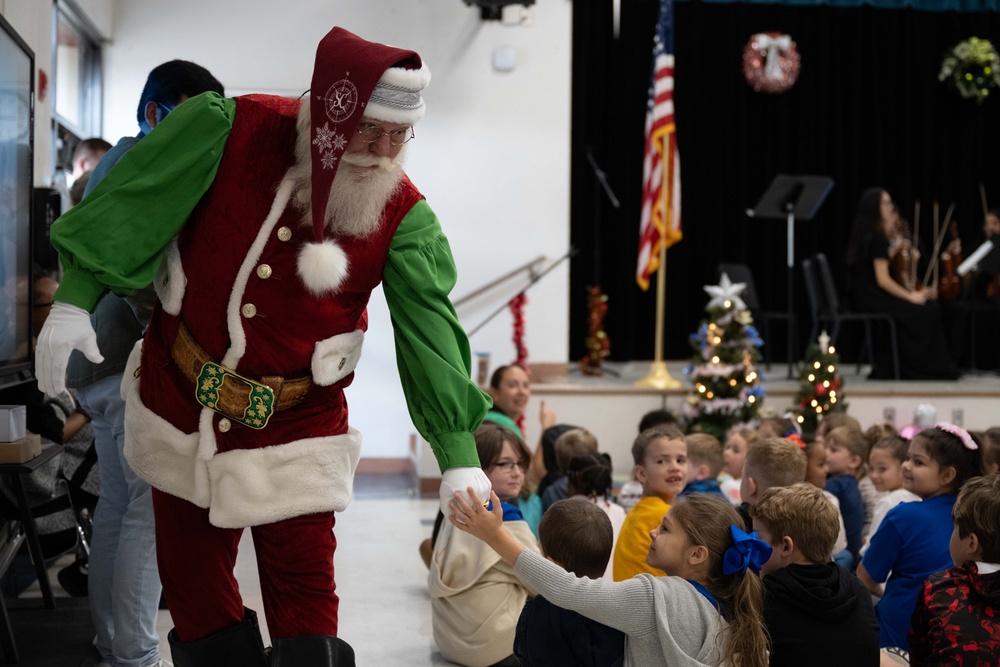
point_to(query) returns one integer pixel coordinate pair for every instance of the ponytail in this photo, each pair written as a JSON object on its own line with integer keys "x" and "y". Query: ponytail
{"x": 707, "y": 520}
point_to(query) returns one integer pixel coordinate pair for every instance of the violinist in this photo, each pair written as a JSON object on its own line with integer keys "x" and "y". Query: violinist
{"x": 988, "y": 278}
{"x": 923, "y": 350}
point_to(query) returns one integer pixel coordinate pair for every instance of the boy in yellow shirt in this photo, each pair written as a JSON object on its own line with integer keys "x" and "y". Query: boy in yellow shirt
{"x": 660, "y": 456}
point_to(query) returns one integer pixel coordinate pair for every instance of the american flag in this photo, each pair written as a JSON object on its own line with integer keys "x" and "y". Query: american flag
{"x": 660, "y": 221}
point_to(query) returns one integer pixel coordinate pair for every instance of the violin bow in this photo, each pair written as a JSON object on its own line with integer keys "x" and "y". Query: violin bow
{"x": 939, "y": 234}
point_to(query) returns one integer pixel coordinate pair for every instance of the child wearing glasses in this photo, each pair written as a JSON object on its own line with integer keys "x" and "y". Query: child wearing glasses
{"x": 475, "y": 597}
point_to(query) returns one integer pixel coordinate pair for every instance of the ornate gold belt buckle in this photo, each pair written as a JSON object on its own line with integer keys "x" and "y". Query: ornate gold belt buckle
{"x": 241, "y": 399}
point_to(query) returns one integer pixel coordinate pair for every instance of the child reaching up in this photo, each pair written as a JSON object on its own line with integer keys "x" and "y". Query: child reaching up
{"x": 885, "y": 464}
{"x": 707, "y": 612}
{"x": 912, "y": 542}
{"x": 956, "y": 620}
{"x": 475, "y": 598}
{"x": 660, "y": 455}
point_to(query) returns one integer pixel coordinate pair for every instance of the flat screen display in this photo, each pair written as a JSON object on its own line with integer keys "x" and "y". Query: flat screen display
{"x": 17, "y": 66}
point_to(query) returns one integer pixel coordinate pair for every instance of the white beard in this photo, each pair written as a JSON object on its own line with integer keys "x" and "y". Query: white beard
{"x": 363, "y": 185}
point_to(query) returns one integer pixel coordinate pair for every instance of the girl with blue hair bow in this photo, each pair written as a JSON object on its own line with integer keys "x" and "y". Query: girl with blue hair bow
{"x": 707, "y": 612}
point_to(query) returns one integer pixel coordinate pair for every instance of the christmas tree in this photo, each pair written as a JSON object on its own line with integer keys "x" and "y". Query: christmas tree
{"x": 819, "y": 385}
{"x": 726, "y": 385}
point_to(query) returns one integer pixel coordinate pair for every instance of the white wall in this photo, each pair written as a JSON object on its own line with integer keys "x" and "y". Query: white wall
{"x": 492, "y": 153}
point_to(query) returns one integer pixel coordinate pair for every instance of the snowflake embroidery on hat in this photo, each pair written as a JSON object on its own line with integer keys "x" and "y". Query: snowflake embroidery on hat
{"x": 324, "y": 138}
{"x": 328, "y": 160}
{"x": 339, "y": 142}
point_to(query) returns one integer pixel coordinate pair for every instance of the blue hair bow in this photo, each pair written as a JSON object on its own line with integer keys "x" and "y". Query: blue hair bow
{"x": 747, "y": 551}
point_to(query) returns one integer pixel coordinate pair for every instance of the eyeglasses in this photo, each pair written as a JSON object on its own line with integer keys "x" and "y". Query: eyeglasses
{"x": 371, "y": 133}
{"x": 508, "y": 466}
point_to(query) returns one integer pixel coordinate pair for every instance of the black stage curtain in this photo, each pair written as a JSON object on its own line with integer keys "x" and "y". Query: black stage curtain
{"x": 867, "y": 110}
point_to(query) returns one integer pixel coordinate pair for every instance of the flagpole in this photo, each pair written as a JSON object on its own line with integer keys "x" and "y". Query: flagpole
{"x": 659, "y": 377}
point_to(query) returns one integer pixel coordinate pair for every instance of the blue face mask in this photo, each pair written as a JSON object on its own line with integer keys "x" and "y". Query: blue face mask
{"x": 161, "y": 113}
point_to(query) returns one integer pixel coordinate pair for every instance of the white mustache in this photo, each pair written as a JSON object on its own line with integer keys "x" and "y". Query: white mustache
{"x": 367, "y": 160}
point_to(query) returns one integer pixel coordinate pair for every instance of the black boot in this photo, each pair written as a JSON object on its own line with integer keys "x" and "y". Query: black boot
{"x": 238, "y": 645}
{"x": 311, "y": 651}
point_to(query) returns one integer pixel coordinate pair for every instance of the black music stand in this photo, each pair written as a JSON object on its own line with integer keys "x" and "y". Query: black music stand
{"x": 792, "y": 198}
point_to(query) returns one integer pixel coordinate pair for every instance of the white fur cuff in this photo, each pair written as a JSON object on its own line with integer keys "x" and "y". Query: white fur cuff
{"x": 336, "y": 357}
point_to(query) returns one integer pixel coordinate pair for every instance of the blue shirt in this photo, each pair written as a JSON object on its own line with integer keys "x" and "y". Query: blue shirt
{"x": 912, "y": 543}
{"x": 852, "y": 508}
{"x": 703, "y": 486}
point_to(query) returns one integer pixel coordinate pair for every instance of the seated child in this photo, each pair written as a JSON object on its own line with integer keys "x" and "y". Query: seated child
{"x": 832, "y": 420}
{"x": 575, "y": 442}
{"x": 660, "y": 456}
{"x": 816, "y": 475}
{"x": 912, "y": 541}
{"x": 957, "y": 619}
{"x": 770, "y": 462}
{"x": 734, "y": 455}
{"x": 704, "y": 464}
{"x": 846, "y": 451}
{"x": 475, "y": 597}
{"x": 991, "y": 451}
{"x": 707, "y": 612}
{"x": 885, "y": 465}
{"x": 590, "y": 479}
{"x": 577, "y": 536}
{"x": 816, "y": 612}
{"x": 781, "y": 427}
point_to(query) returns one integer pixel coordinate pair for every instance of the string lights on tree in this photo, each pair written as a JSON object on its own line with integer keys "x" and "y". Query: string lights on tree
{"x": 819, "y": 385}
{"x": 726, "y": 386}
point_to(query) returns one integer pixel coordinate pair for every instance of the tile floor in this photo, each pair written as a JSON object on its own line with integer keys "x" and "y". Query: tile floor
{"x": 384, "y": 608}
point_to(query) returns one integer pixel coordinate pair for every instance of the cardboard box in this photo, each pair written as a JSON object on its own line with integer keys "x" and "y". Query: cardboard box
{"x": 22, "y": 450}
{"x": 12, "y": 420}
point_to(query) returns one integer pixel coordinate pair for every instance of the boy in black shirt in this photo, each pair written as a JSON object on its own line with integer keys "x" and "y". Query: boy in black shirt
{"x": 816, "y": 612}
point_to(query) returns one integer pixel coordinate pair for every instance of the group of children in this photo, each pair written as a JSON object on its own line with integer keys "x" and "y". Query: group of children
{"x": 764, "y": 551}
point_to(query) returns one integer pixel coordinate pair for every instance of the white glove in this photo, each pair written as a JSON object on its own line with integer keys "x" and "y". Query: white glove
{"x": 67, "y": 328}
{"x": 460, "y": 479}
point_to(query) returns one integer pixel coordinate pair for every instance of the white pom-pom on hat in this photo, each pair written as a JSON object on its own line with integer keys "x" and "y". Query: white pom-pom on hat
{"x": 322, "y": 266}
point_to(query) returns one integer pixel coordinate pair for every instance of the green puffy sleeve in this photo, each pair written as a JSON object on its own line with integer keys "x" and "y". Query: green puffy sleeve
{"x": 432, "y": 350}
{"x": 114, "y": 238}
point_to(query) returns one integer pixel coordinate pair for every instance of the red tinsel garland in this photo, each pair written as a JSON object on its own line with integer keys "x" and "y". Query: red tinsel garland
{"x": 517, "y": 311}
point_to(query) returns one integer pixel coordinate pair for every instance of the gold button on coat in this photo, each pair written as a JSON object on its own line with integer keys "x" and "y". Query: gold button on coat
{"x": 248, "y": 310}
{"x": 264, "y": 271}
{"x": 225, "y": 425}
{"x": 284, "y": 234}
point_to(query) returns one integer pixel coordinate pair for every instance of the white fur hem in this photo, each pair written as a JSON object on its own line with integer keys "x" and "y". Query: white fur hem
{"x": 171, "y": 282}
{"x": 162, "y": 454}
{"x": 251, "y": 487}
{"x": 336, "y": 357}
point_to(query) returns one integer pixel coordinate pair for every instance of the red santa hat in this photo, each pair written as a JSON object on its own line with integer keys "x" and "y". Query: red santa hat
{"x": 352, "y": 78}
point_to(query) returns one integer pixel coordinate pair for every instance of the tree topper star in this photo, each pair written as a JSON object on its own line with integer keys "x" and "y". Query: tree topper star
{"x": 725, "y": 291}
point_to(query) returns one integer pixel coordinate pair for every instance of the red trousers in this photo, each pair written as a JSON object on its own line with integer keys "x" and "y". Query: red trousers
{"x": 196, "y": 561}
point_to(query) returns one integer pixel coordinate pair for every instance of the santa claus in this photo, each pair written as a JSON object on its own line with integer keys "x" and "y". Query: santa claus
{"x": 264, "y": 224}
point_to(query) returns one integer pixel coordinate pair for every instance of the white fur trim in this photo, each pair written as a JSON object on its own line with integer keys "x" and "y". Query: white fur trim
{"x": 396, "y": 98}
{"x": 412, "y": 79}
{"x": 163, "y": 455}
{"x": 170, "y": 282}
{"x": 234, "y": 319}
{"x": 336, "y": 357}
{"x": 128, "y": 375}
{"x": 251, "y": 487}
{"x": 322, "y": 266}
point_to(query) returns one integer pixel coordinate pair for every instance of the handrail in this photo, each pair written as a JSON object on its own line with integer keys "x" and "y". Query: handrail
{"x": 504, "y": 278}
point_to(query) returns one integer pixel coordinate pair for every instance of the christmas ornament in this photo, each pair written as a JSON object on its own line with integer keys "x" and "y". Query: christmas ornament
{"x": 771, "y": 62}
{"x": 819, "y": 385}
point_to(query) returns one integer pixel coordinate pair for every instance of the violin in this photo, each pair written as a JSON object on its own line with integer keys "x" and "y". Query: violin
{"x": 903, "y": 265}
{"x": 950, "y": 284}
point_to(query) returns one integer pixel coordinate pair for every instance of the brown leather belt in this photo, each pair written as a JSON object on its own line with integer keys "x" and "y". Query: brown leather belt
{"x": 191, "y": 359}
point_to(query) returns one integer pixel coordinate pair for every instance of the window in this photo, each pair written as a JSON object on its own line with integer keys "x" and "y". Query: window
{"x": 76, "y": 81}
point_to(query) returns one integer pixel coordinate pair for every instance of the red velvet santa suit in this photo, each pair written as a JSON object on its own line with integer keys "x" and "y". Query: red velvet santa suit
{"x": 232, "y": 281}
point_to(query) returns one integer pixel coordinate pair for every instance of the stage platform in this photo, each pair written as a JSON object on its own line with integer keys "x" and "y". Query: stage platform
{"x": 611, "y": 406}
